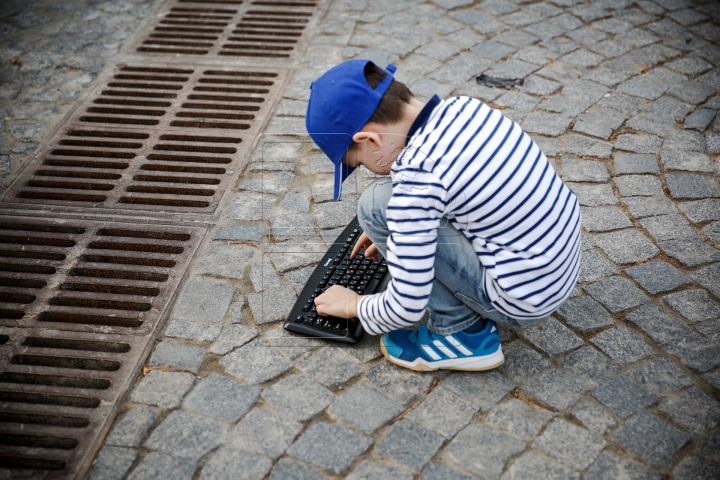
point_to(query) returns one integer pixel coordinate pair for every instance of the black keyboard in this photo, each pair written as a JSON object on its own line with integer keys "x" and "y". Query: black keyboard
{"x": 363, "y": 275}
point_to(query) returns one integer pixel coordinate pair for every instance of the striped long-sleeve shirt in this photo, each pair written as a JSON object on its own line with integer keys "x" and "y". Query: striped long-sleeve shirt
{"x": 470, "y": 164}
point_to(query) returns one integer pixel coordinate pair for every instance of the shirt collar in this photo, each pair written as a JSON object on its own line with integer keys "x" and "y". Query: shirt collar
{"x": 423, "y": 115}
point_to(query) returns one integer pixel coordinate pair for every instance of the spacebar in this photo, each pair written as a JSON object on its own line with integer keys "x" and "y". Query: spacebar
{"x": 372, "y": 286}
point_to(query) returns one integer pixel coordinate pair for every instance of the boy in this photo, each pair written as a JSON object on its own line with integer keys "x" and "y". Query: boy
{"x": 475, "y": 226}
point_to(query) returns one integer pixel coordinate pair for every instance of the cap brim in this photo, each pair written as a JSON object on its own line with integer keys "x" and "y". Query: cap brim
{"x": 342, "y": 171}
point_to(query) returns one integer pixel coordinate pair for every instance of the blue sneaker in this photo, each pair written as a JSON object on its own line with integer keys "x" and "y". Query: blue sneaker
{"x": 423, "y": 350}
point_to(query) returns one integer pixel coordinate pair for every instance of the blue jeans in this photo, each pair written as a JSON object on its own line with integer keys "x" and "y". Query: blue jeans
{"x": 457, "y": 299}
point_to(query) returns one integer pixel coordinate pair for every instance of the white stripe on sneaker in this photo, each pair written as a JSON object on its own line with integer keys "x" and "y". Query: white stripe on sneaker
{"x": 430, "y": 352}
{"x": 444, "y": 349}
{"x": 455, "y": 343}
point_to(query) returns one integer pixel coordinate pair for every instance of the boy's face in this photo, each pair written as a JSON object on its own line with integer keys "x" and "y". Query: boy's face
{"x": 375, "y": 150}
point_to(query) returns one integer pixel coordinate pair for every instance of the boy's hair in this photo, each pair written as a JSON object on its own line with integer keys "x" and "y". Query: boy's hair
{"x": 390, "y": 108}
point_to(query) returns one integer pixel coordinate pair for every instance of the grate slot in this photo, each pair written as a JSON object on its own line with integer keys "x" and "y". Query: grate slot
{"x": 199, "y": 138}
{"x": 136, "y": 247}
{"x": 172, "y": 50}
{"x": 148, "y": 262}
{"x": 83, "y": 345}
{"x": 171, "y": 190}
{"x": 126, "y": 121}
{"x": 32, "y": 227}
{"x": 85, "y": 164}
{"x": 191, "y": 23}
{"x": 216, "y": 106}
{"x": 47, "y": 241}
{"x": 69, "y": 185}
{"x": 275, "y": 12}
{"x": 102, "y": 304}
{"x": 178, "y": 43}
{"x": 183, "y": 71}
{"x": 222, "y": 116}
{"x": 30, "y": 463}
{"x": 77, "y": 318}
{"x": 20, "y": 298}
{"x": 62, "y": 197}
{"x": 147, "y": 86}
{"x": 38, "y": 441}
{"x": 152, "y": 78}
{"x": 213, "y": 10}
{"x": 226, "y": 98}
{"x": 93, "y": 153}
{"x": 192, "y": 15}
{"x": 233, "y": 81}
{"x": 251, "y": 31}
{"x": 280, "y": 3}
{"x": 230, "y": 90}
{"x": 32, "y": 254}
{"x": 4, "y": 339}
{"x": 168, "y": 179}
{"x": 127, "y": 111}
{"x": 173, "y": 168}
{"x": 229, "y": 2}
{"x": 113, "y": 289}
{"x": 183, "y": 36}
{"x": 66, "y": 362}
{"x": 261, "y": 39}
{"x": 21, "y": 283}
{"x": 118, "y": 232}
{"x": 121, "y": 274}
{"x": 76, "y": 174}
{"x": 274, "y": 26}
{"x": 194, "y": 148}
{"x": 189, "y": 124}
{"x": 19, "y": 267}
{"x": 54, "y": 381}
{"x": 182, "y": 30}
{"x": 89, "y": 143}
{"x": 255, "y": 47}
{"x": 49, "y": 399}
{"x": 164, "y": 202}
{"x": 183, "y": 158}
{"x": 138, "y": 94}
{"x": 257, "y": 18}
{"x": 104, "y": 134}
{"x": 11, "y": 314}
{"x": 38, "y": 419}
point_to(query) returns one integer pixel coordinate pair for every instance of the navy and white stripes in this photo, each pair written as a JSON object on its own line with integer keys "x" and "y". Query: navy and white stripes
{"x": 478, "y": 169}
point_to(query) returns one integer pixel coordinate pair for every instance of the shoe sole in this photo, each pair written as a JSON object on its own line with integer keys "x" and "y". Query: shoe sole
{"x": 471, "y": 364}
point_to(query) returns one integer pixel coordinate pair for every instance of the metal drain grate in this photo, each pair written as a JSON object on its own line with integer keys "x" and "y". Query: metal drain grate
{"x": 260, "y": 29}
{"x": 80, "y": 302}
{"x": 113, "y": 156}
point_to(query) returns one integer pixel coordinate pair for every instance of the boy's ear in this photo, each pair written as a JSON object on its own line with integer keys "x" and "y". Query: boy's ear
{"x": 363, "y": 136}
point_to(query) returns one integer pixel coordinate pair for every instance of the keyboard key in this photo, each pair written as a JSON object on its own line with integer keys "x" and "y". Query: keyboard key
{"x": 308, "y": 322}
{"x": 372, "y": 286}
{"x": 379, "y": 276}
{"x": 299, "y": 319}
{"x": 327, "y": 325}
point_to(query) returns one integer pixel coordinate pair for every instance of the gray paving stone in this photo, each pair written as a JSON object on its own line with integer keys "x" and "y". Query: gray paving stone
{"x": 668, "y": 227}
{"x": 522, "y": 363}
{"x": 630, "y": 163}
{"x": 694, "y": 351}
{"x": 546, "y": 124}
{"x": 690, "y": 251}
{"x": 518, "y": 419}
{"x": 555, "y": 389}
{"x": 700, "y": 119}
{"x": 298, "y": 397}
{"x": 694, "y": 468}
{"x": 352, "y": 408}
{"x": 235, "y": 336}
{"x": 275, "y": 183}
{"x": 587, "y": 147}
{"x": 204, "y": 301}
{"x": 709, "y": 277}
{"x": 219, "y": 397}
{"x": 443, "y": 412}
{"x": 658, "y": 276}
{"x": 516, "y": 100}
{"x": 594, "y": 417}
{"x": 551, "y": 336}
{"x": 230, "y": 463}
{"x": 253, "y": 233}
{"x": 410, "y": 444}
{"x": 657, "y": 324}
{"x": 292, "y": 225}
{"x": 642, "y": 87}
{"x": 571, "y": 445}
{"x": 113, "y": 463}
{"x": 493, "y": 50}
{"x": 708, "y": 448}
{"x": 594, "y": 266}
{"x": 272, "y": 305}
{"x": 291, "y": 255}
{"x": 594, "y": 195}
{"x": 701, "y": 210}
{"x": 400, "y": 384}
{"x": 621, "y": 345}
{"x": 482, "y": 389}
{"x": 599, "y": 122}
{"x": 236, "y": 314}
{"x": 713, "y": 140}
{"x": 263, "y": 276}
{"x": 616, "y": 294}
{"x": 692, "y": 92}
{"x": 713, "y": 379}
{"x": 331, "y": 367}
{"x": 487, "y": 462}
{"x": 255, "y": 362}
{"x": 532, "y": 465}
{"x": 684, "y": 140}
{"x": 590, "y": 365}
{"x": 626, "y": 246}
{"x": 577, "y": 170}
{"x": 584, "y": 314}
{"x": 186, "y": 435}
{"x": 369, "y": 470}
{"x": 194, "y": 331}
{"x": 329, "y": 446}
{"x": 298, "y": 278}
{"x": 693, "y": 410}
{"x": 264, "y": 433}
{"x": 163, "y": 389}
{"x": 158, "y": 466}
{"x": 226, "y": 261}
{"x": 436, "y": 471}
{"x": 638, "y": 143}
{"x": 712, "y": 231}
{"x": 177, "y": 356}
{"x": 648, "y": 206}
{"x": 623, "y": 396}
{"x": 652, "y": 124}
{"x": 633, "y": 185}
{"x": 132, "y": 429}
{"x": 654, "y": 440}
{"x": 609, "y": 465}
{"x": 602, "y": 219}
{"x": 286, "y": 469}
{"x": 694, "y": 305}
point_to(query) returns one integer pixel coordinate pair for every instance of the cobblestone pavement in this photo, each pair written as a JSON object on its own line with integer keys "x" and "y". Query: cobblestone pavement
{"x": 621, "y": 382}
{"x": 50, "y": 54}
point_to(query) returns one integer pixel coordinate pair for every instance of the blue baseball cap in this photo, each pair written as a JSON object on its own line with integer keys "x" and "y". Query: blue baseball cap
{"x": 341, "y": 103}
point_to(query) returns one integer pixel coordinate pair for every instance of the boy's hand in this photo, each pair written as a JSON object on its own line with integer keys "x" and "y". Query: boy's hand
{"x": 370, "y": 249}
{"x": 338, "y": 301}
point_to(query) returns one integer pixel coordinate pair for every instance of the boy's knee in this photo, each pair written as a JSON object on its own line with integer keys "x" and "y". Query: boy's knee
{"x": 373, "y": 201}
